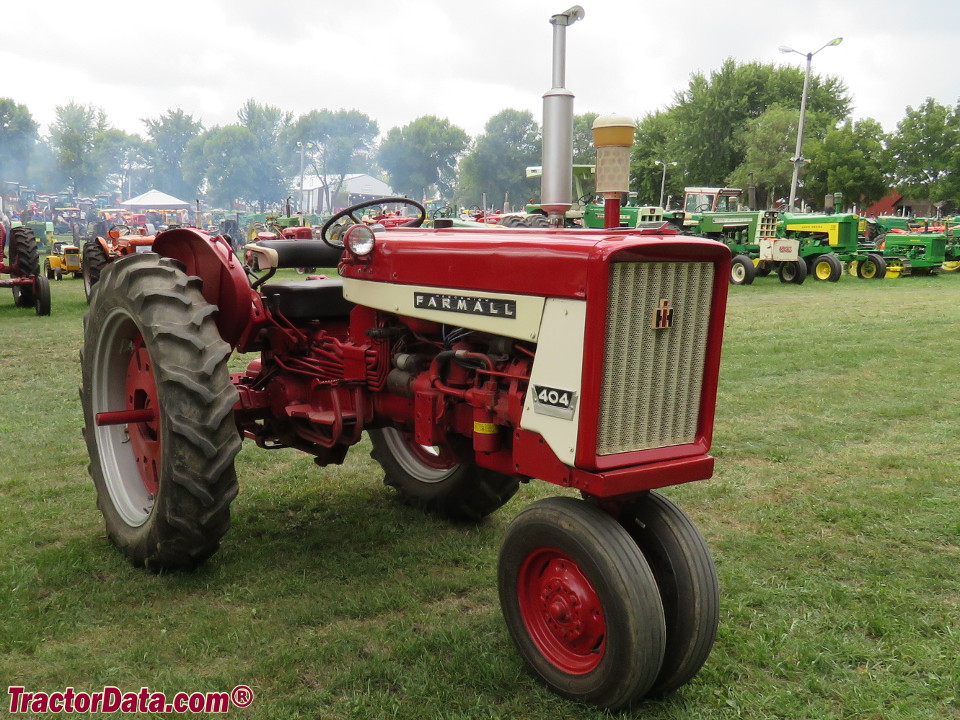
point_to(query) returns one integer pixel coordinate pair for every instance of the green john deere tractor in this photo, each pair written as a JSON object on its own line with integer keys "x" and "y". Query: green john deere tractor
{"x": 908, "y": 246}
{"x": 827, "y": 242}
{"x": 751, "y": 235}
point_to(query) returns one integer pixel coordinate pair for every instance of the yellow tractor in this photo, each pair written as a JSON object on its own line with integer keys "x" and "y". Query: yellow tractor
{"x": 64, "y": 257}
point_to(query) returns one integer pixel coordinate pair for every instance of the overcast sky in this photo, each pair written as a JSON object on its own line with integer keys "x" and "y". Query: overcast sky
{"x": 464, "y": 61}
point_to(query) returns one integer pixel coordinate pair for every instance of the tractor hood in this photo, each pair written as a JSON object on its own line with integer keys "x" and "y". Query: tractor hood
{"x": 554, "y": 263}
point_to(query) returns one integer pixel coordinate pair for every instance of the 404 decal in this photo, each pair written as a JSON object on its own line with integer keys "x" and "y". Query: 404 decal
{"x": 554, "y": 401}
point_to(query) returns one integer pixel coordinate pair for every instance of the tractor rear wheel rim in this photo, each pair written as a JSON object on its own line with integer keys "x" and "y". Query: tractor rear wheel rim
{"x": 427, "y": 463}
{"x": 144, "y": 436}
{"x": 562, "y": 611}
{"x": 823, "y": 270}
{"x": 128, "y": 453}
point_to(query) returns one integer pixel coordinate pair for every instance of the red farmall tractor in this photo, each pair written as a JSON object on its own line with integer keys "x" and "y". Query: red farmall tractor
{"x": 475, "y": 360}
{"x": 30, "y": 288}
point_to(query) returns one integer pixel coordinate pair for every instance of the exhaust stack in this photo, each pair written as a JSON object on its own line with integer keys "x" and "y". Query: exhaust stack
{"x": 557, "y": 180}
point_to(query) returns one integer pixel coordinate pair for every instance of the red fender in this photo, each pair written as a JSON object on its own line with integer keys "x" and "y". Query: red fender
{"x": 224, "y": 280}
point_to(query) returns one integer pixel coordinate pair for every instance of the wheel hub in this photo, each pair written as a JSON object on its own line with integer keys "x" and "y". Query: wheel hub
{"x": 562, "y": 611}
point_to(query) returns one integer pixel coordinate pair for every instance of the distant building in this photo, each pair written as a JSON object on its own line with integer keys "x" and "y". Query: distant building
{"x": 896, "y": 204}
{"x": 318, "y": 192}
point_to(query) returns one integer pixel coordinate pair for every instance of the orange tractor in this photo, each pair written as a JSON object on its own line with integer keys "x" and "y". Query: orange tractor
{"x": 116, "y": 241}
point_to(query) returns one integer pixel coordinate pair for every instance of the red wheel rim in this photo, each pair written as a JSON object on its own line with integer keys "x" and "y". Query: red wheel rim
{"x": 141, "y": 393}
{"x": 438, "y": 457}
{"x": 562, "y": 611}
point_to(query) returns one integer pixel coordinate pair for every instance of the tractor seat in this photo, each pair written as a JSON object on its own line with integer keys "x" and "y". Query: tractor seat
{"x": 307, "y": 299}
{"x": 294, "y": 254}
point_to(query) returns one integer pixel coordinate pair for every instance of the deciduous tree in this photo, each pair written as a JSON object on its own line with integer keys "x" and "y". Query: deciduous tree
{"x": 422, "y": 156}
{"x": 18, "y": 135}
{"x": 168, "y": 137}
{"x": 497, "y": 160}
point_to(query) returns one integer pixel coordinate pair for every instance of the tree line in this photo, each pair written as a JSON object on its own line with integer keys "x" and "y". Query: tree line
{"x": 735, "y": 126}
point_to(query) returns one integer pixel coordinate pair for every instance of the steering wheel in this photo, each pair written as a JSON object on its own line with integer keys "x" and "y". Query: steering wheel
{"x": 705, "y": 207}
{"x": 333, "y": 240}
{"x": 124, "y": 229}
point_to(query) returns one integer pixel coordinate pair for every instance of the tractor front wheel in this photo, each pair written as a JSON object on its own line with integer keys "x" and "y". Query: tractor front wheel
{"x": 433, "y": 479}
{"x": 581, "y": 603}
{"x": 827, "y": 268}
{"x": 158, "y": 412}
{"x": 41, "y": 295}
{"x": 742, "y": 270}
{"x": 873, "y": 268}
{"x": 94, "y": 260}
{"x": 793, "y": 272}
{"x": 685, "y": 574}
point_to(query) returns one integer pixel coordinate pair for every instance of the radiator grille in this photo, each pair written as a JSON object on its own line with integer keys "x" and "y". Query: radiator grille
{"x": 651, "y": 386}
{"x": 767, "y": 227}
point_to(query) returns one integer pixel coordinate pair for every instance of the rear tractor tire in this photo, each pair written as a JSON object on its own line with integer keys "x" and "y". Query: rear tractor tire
{"x": 24, "y": 262}
{"x": 742, "y": 270}
{"x": 94, "y": 261}
{"x": 581, "y": 603}
{"x": 432, "y": 479}
{"x": 165, "y": 477}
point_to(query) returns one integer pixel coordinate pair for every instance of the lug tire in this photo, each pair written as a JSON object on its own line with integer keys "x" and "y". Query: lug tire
{"x": 24, "y": 262}
{"x": 94, "y": 261}
{"x": 432, "y": 479}
{"x": 742, "y": 270}
{"x": 536, "y": 221}
{"x": 687, "y": 579}
{"x": 793, "y": 272}
{"x": 41, "y": 295}
{"x": 827, "y": 268}
{"x": 24, "y": 255}
{"x": 873, "y": 268}
{"x": 512, "y": 221}
{"x": 581, "y": 603}
{"x": 48, "y": 270}
{"x": 164, "y": 485}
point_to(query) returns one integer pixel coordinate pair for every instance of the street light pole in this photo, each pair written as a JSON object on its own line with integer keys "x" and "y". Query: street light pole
{"x": 663, "y": 181}
{"x": 797, "y": 158}
{"x": 302, "y": 149}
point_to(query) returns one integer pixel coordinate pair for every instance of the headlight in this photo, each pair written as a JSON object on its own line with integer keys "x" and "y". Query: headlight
{"x": 360, "y": 240}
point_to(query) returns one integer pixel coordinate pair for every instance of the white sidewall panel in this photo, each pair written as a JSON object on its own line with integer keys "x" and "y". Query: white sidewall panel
{"x": 559, "y": 365}
{"x": 400, "y": 299}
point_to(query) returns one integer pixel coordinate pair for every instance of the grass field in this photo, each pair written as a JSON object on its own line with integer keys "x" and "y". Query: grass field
{"x": 834, "y": 519}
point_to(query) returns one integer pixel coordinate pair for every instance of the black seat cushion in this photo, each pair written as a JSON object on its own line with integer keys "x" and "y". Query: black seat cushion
{"x": 303, "y": 253}
{"x": 307, "y": 299}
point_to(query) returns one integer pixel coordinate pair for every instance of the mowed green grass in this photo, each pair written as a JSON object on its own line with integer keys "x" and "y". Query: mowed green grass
{"x": 833, "y": 517}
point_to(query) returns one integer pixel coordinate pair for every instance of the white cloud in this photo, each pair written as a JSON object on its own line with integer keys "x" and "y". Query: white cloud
{"x": 463, "y": 61}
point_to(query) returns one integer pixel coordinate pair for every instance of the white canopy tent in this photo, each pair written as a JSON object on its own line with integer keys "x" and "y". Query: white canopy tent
{"x": 155, "y": 200}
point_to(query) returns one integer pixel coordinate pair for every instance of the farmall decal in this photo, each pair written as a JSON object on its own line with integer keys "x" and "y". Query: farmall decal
{"x": 490, "y": 307}
{"x": 663, "y": 316}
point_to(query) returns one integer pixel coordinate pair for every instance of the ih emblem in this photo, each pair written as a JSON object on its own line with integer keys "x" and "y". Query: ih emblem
{"x": 663, "y": 316}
